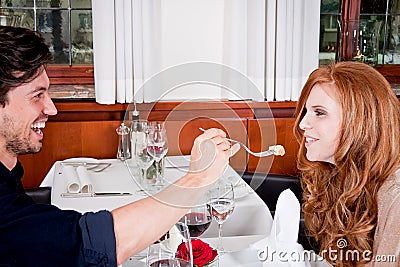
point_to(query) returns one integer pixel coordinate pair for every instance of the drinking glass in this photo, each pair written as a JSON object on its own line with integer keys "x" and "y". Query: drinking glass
{"x": 221, "y": 204}
{"x": 163, "y": 253}
{"x": 157, "y": 144}
{"x": 143, "y": 160}
{"x": 198, "y": 219}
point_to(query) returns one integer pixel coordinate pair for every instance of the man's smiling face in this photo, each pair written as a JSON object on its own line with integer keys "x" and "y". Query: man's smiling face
{"x": 24, "y": 115}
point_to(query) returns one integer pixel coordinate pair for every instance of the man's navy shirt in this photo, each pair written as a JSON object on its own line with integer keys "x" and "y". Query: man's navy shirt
{"x": 43, "y": 235}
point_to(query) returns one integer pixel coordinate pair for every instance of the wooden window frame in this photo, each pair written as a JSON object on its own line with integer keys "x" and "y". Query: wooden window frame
{"x": 66, "y": 74}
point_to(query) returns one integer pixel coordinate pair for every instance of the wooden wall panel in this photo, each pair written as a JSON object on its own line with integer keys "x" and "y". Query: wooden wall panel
{"x": 195, "y": 114}
{"x": 87, "y": 129}
{"x": 195, "y": 110}
{"x": 181, "y": 135}
{"x": 99, "y": 139}
{"x": 266, "y": 132}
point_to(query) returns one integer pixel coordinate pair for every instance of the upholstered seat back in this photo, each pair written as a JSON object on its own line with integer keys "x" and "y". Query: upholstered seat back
{"x": 269, "y": 186}
{"x": 41, "y": 195}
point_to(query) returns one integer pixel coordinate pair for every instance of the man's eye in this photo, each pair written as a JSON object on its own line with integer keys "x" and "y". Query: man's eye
{"x": 39, "y": 95}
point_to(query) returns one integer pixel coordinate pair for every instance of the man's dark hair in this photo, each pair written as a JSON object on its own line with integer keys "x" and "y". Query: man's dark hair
{"x": 22, "y": 53}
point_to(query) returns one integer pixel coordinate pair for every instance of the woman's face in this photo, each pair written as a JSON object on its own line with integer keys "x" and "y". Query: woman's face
{"x": 322, "y": 123}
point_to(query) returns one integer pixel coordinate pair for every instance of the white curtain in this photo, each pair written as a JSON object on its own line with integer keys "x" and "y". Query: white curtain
{"x": 151, "y": 50}
{"x": 243, "y": 48}
{"x": 104, "y": 51}
{"x": 296, "y": 50}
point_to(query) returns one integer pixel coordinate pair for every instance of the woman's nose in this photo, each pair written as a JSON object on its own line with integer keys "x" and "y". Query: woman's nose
{"x": 304, "y": 123}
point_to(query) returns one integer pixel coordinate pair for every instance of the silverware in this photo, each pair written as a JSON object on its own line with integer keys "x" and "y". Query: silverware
{"x": 277, "y": 150}
{"x": 93, "y": 166}
{"x": 177, "y": 167}
{"x": 100, "y": 194}
{"x": 239, "y": 185}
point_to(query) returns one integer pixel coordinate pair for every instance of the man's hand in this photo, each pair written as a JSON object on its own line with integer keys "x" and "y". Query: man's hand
{"x": 210, "y": 155}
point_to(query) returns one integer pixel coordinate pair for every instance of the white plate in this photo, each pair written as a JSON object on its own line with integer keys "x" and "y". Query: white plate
{"x": 176, "y": 161}
{"x": 240, "y": 187}
{"x": 82, "y": 159}
{"x": 89, "y": 163}
{"x": 242, "y": 258}
{"x": 241, "y": 191}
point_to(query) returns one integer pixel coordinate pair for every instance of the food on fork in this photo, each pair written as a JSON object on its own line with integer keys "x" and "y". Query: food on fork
{"x": 278, "y": 150}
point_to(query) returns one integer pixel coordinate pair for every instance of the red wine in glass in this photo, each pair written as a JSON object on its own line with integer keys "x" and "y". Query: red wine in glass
{"x": 197, "y": 222}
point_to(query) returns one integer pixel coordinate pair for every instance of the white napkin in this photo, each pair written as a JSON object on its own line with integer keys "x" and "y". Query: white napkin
{"x": 175, "y": 238}
{"x": 78, "y": 179}
{"x": 84, "y": 178}
{"x": 280, "y": 248}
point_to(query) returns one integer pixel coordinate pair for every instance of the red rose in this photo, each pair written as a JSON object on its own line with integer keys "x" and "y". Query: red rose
{"x": 202, "y": 252}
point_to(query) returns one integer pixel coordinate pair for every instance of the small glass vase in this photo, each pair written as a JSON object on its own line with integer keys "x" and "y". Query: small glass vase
{"x": 150, "y": 178}
{"x": 213, "y": 263}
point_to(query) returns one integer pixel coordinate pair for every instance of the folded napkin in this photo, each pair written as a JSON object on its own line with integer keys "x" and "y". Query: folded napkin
{"x": 280, "y": 248}
{"x": 78, "y": 179}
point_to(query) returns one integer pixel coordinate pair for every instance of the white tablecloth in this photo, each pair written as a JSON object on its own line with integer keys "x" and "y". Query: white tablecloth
{"x": 249, "y": 222}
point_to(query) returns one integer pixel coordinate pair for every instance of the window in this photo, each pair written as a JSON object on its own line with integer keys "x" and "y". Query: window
{"x": 65, "y": 24}
{"x": 330, "y": 14}
{"x": 378, "y": 29}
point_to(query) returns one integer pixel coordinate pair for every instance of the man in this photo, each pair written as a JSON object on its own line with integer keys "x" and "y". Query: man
{"x": 43, "y": 235}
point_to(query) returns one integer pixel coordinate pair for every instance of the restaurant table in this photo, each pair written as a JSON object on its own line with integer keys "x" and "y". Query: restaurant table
{"x": 249, "y": 222}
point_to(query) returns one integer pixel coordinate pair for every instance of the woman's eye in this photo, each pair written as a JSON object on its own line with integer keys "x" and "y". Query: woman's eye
{"x": 319, "y": 112}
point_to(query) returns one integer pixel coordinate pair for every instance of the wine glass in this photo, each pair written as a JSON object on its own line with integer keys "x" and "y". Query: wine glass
{"x": 164, "y": 252}
{"x": 157, "y": 144}
{"x": 198, "y": 219}
{"x": 143, "y": 160}
{"x": 221, "y": 204}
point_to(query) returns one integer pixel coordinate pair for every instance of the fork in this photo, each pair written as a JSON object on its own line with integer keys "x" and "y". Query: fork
{"x": 92, "y": 166}
{"x": 100, "y": 167}
{"x": 277, "y": 150}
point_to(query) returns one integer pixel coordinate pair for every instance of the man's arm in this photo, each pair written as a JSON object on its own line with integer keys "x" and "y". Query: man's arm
{"x": 139, "y": 224}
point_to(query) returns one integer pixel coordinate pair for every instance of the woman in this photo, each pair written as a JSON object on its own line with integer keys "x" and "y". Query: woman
{"x": 348, "y": 127}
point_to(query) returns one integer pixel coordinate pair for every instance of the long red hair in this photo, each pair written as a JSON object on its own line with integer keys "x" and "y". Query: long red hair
{"x": 340, "y": 200}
